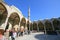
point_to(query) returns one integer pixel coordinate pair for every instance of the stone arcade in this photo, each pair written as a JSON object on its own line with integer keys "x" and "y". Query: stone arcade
{"x": 11, "y": 17}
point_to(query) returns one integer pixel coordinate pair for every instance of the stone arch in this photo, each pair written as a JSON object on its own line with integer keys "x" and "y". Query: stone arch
{"x": 56, "y": 24}
{"x": 41, "y": 26}
{"x": 14, "y": 19}
{"x": 3, "y": 13}
{"x": 23, "y": 22}
{"x": 31, "y": 26}
{"x": 48, "y": 25}
{"x": 34, "y": 26}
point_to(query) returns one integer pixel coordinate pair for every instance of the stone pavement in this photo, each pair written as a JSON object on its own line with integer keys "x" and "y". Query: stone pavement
{"x": 38, "y": 36}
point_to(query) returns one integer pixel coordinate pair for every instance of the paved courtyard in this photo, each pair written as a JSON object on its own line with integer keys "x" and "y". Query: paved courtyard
{"x": 38, "y": 36}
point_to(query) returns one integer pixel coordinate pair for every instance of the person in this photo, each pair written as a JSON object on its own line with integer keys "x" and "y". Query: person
{"x": 14, "y": 34}
{"x": 26, "y": 30}
{"x": 6, "y": 34}
{"x": 22, "y": 30}
{"x": 10, "y": 34}
{"x": 17, "y": 32}
{"x": 2, "y": 37}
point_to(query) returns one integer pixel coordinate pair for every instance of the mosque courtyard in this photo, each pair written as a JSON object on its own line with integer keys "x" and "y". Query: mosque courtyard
{"x": 38, "y": 36}
{"x": 12, "y": 18}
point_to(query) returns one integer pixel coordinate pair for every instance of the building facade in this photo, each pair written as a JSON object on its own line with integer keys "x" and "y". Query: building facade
{"x": 11, "y": 17}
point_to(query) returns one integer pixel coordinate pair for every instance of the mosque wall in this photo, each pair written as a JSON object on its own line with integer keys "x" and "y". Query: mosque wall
{"x": 11, "y": 11}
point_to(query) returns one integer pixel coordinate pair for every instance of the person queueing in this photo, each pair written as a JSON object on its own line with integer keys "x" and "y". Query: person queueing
{"x": 22, "y": 30}
{"x": 26, "y": 30}
{"x": 11, "y": 34}
{"x": 14, "y": 34}
{"x": 2, "y": 37}
{"x": 6, "y": 34}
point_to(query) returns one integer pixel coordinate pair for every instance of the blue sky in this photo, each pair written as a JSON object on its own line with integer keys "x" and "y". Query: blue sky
{"x": 39, "y": 9}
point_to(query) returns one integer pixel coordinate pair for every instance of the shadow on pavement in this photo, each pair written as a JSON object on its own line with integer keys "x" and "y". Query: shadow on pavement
{"x": 47, "y": 37}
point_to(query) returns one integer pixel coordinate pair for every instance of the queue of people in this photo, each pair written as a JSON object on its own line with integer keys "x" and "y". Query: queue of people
{"x": 12, "y": 34}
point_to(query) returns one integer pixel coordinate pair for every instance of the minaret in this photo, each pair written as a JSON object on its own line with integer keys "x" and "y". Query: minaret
{"x": 29, "y": 13}
{"x": 29, "y": 17}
